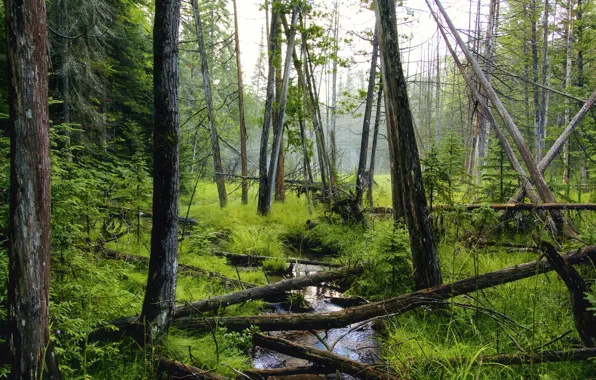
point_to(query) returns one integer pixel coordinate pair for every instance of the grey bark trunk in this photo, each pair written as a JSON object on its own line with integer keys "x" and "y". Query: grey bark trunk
{"x": 217, "y": 165}
{"x": 244, "y": 170}
{"x": 406, "y": 167}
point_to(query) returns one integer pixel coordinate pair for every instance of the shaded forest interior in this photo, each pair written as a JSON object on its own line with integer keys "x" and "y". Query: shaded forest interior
{"x": 372, "y": 190}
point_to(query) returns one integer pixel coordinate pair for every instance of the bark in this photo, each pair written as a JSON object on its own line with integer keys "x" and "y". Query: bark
{"x": 541, "y": 130}
{"x": 250, "y": 260}
{"x": 29, "y": 225}
{"x": 373, "y": 149}
{"x": 537, "y": 179}
{"x": 160, "y": 294}
{"x": 324, "y": 358}
{"x": 217, "y": 165}
{"x": 567, "y": 84}
{"x": 530, "y": 358}
{"x": 273, "y": 53}
{"x": 333, "y": 143}
{"x": 361, "y": 174}
{"x": 585, "y": 321}
{"x": 406, "y": 165}
{"x": 259, "y": 374}
{"x": 242, "y": 120}
{"x": 175, "y": 370}
{"x": 261, "y": 292}
{"x": 276, "y": 151}
{"x": 535, "y": 92}
{"x": 392, "y": 306}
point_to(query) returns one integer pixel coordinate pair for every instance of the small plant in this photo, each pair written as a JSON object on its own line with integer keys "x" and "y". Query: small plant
{"x": 275, "y": 265}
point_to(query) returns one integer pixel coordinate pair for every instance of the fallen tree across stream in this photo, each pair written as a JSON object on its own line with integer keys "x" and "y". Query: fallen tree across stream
{"x": 324, "y": 358}
{"x": 130, "y": 324}
{"x": 256, "y": 260}
{"x": 389, "y": 307}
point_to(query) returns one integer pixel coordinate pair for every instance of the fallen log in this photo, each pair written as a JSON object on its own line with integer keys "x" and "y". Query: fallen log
{"x": 531, "y": 358}
{"x": 259, "y": 374}
{"x": 260, "y": 292}
{"x": 193, "y": 271}
{"x": 584, "y": 318}
{"x": 176, "y": 370}
{"x": 389, "y": 307}
{"x": 501, "y": 207}
{"x": 256, "y": 260}
{"x": 324, "y": 358}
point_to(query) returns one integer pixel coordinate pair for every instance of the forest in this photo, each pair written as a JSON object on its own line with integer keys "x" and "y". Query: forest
{"x": 297, "y": 189}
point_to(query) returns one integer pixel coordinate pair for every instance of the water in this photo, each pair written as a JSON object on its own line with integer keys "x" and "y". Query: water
{"x": 359, "y": 345}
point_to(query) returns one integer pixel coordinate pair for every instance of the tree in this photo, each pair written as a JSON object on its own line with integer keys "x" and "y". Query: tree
{"x": 406, "y": 173}
{"x": 29, "y": 247}
{"x": 160, "y": 293}
{"x": 219, "y": 179}
{"x": 241, "y": 109}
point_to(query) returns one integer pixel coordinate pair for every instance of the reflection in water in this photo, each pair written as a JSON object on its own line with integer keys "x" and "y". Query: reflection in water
{"x": 357, "y": 345}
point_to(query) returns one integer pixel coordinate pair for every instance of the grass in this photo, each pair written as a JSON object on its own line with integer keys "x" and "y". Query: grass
{"x": 88, "y": 291}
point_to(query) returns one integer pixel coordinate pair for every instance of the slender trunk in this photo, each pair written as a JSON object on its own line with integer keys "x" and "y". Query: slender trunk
{"x": 241, "y": 111}
{"x": 361, "y": 174}
{"x": 160, "y": 294}
{"x": 334, "y": 88}
{"x": 438, "y": 94}
{"x": 278, "y": 132}
{"x": 406, "y": 168}
{"x": 29, "y": 230}
{"x": 544, "y": 94}
{"x": 273, "y": 52}
{"x": 373, "y": 150}
{"x": 536, "y": 91}
{"x": 536, "y": 177}
{"x": 217, "y": 165}
{"x": 567, "y": 84}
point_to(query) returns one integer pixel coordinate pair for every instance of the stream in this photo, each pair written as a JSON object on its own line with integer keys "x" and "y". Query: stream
{"x": 359, "y": 345}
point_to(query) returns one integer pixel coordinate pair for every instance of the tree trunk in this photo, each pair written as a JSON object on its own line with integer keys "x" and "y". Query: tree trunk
{"x": 217, "y": 166}
{"x": 373, "y": 150}
{"x": 281, "y": 112}
{"x": 406, "y": 165}
{"x": 567, "y": 84}
{"x": 392, "y": 306}
{"x": 160, "y": 294}
{"x": 537, "y": 179}
{"x": 274, "y": 51}
{"x": 177, "y": 370}
{"x": 29, "y": 231}
{"x": 536, "y": 91}
{"x": 325, "y": 358}
{"x": 243, "y": 158}
{"x": 541, "y": 130}
{"x": 361, "y": 174}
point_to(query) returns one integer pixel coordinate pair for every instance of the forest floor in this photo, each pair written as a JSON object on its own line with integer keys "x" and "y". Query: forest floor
{"x": 528, "y": 315}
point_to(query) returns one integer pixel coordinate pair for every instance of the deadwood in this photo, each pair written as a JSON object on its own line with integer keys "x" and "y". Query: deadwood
{"x": 260, "y": 292}
{"x": 392, "y": 306}
{"x": 256, "y": 260}
{"x": 501, "y": 207}
{"x": 258, "y": 374}
{"x": 585, "y": 321}
{"x": 536, "y": 177}
{"x": 324, "y": 358}
{"x": 531, "y": 358}
{"x": 176, "y": 370}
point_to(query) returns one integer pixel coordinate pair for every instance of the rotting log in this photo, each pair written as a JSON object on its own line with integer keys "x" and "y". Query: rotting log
{"x": 324, "y": 358}
{"x": 390, "y": 307}
{"x": 256, "y": 260}
{"x": 257, "y": 373}
{"x": 177, "y": 370}
{"x": 187, "y": 269}
{"x": 531, "y": 358}
{"x": 264, "y": 291}
{"x": 585, "y": 321}
{"x": 502, "y": 207}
